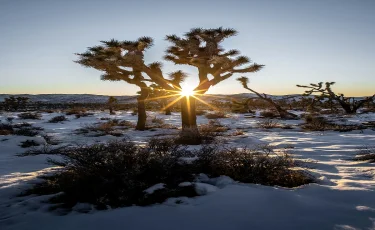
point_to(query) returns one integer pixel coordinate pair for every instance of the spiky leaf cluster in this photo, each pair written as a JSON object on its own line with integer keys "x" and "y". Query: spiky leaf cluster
{"x": 201, "y": 48}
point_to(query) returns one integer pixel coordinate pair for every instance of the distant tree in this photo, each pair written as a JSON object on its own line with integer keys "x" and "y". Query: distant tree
{"x": 282, "y": 112}
{"x": 349, "y": 104}
{"x": 200, "y": 48}
{"x": 111, "y": 103}
{"x": 124, "y": 61}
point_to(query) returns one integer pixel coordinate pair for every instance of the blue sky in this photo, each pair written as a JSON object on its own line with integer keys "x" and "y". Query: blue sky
{"x": 299, "y": 41}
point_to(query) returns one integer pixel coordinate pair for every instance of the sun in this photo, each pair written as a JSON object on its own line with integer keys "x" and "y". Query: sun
{"x": 187, "y": 92}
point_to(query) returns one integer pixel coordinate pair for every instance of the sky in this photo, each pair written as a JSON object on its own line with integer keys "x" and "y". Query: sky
{"x": 298, "y": 41}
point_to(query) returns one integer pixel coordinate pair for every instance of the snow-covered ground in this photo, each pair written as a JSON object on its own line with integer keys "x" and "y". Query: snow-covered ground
{"x": 343, "y": 198}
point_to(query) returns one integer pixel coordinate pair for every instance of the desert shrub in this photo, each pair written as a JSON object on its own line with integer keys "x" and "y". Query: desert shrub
{"x": 213, "y": 126}
{"x": 22, "y": 125}
{"x": 74, "y": 111}
{"x": 29, "y": 143}
{"x": 215, "y": 115}
{"x": 238, "y": 132}
{"x": 268, "y": 114}
{"x": 6, "y": 129}
{"x": 269, "y": 124}
{"x": 117, "y": 173}
{"x": 48, "y": 111}
{"x": 26, "y": 131}
{"x": 57, "y": 119}
{"x": 261, "y": 165}
{"x": 83, "y": 114}
{"x": 315, "y": 123}
{"x": 106, "y": 128}
{"x": 366, "y": 153}
{"x": 29, "y": 115}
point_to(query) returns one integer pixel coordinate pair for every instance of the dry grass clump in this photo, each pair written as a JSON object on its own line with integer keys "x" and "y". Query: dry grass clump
{"x": 269, "y": 124}
{"x": 29, "y": 143}
{"x": 268, "y": 114}
{"x": 30, "y": 116}
{"x": 111, "y": 127}
{"x": 6, "y": 129}
{"x": 58, "y": 119}
{"x": 74, "y": 111}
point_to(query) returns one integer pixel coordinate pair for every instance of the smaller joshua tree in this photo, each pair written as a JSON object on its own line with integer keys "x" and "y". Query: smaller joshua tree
{"x": 111, "y": 103}
{"x": 282, "y": 112}
{"x": 349, "y": 104}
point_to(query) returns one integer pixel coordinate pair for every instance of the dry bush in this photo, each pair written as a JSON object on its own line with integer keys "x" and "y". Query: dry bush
{"x": 268, "y": 114}
{"x": 110, "y": 127}
{"x": 316, "y": 123}
{"x": 58, "y": 119}
{"x": 238, "y": 132}
{"x": 6, "y": 129}
{"x": 269, "y": 124}
{"x": 74, "y": 111}
{"x": 216, "y": 115}
{"x": 30, "y": 116}
{"x": 116, "y": 173}
{"x": 29, "y": 143}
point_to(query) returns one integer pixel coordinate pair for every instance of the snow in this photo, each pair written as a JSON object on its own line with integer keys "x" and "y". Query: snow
{"x": 343, "y": 198}
{"x": 153, "y": 188}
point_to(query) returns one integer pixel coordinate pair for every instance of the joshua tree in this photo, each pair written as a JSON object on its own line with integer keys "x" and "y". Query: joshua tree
{"x": 350, "y": 105}
{"x": 111, "y": 102}
{"x": 282, "y": 112}
{"x": 201, "y": 49}
{"x": 123, "y": 61}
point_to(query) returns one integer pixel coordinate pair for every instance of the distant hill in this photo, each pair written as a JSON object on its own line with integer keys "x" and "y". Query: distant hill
{"x": 91, "y": 98}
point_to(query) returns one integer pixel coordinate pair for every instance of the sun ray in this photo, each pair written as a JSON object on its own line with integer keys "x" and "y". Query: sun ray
{"x": 173, "y": 102}
{"x": 208, "y": 104}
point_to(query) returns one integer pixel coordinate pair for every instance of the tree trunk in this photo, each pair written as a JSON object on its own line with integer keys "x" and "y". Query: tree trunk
{"x": 141, "y": 123}
{"x": 190, "y": 133}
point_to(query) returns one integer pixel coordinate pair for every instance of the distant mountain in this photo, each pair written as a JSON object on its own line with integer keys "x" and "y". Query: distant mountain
{"x": 91, "y": 98}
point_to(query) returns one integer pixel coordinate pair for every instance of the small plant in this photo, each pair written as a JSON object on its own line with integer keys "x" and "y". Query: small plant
{"x": 6, "y": 129}
{"x": 58, "y": 119}
{"x": 215, "y": 115}
{"x": 83, "y": 114}
{"x": 268, "y": 124}
{"x": 29, "y": 115}
{"x": 29, "y": 143}
{"x": 29, "y": 132}
{"x": 74, "y": 111}
{"x": 268, "y": 114}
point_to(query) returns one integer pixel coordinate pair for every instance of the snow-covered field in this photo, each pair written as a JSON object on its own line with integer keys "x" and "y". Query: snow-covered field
{"x": 343, "y": 198}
